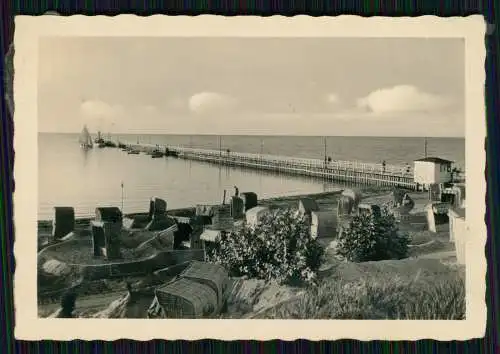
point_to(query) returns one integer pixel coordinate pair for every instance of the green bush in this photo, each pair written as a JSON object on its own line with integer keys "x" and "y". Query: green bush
{"x": 373, "y": 238}
{"x": 279, "y": 248}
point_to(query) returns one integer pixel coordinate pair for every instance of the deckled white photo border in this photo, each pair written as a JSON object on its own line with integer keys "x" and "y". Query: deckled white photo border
{"x": 27, "y": 32}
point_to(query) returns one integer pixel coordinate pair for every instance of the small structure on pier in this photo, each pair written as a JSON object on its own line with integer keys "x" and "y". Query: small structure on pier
{"x": 431, "y": 170}
{"x": 63, "y": 222}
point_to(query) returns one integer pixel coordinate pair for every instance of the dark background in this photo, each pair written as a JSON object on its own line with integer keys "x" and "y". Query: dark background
{"x": 489, "y": 344}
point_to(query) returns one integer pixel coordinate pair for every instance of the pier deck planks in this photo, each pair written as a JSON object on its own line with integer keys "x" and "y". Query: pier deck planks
{"x": 343, "y": 171}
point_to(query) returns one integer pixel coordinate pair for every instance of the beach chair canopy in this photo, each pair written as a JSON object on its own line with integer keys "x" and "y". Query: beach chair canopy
{"x": 184, "y": 298}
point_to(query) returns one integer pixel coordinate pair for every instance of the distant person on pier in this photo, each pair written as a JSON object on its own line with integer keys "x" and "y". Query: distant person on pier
{"x": 236, "y": 191}
{"x": 408, "y": 168}
{"x": 383, "y": 166}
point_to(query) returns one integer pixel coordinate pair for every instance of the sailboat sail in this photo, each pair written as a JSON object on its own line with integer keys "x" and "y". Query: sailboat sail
{"x": 85, "y": 138}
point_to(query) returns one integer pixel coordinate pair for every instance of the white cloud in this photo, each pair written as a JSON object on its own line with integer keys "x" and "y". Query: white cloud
{"x": 402, "y": 98}
{"x": 100, "y": 109}
{"x": 211, "y": 102}
{"x": 333, "y": 98}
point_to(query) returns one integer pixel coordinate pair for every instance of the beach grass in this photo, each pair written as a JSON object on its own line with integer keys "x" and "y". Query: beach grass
{"x": 379, "y": 298}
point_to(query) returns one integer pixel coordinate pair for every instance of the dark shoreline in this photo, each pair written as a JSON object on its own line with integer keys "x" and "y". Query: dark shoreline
{"x": 183, "y": 211}
{"x": 366, "y": 190}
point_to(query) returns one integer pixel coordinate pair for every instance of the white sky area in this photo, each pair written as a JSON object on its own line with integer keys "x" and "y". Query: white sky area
{"x": 275, "y": 86}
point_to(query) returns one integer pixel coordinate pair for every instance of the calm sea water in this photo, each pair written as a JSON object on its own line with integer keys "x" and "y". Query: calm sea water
{"x": 69, "y": 176}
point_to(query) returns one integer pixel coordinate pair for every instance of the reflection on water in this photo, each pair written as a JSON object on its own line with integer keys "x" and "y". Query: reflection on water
{"x": 85, "y": 154}
{"x": 70, "y": 176}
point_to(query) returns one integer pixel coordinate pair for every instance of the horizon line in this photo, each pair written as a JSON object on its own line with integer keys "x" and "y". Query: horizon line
{"x": 270, "y": 135}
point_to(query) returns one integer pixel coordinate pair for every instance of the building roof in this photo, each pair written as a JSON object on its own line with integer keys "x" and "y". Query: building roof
{"x": 435, "y": 160}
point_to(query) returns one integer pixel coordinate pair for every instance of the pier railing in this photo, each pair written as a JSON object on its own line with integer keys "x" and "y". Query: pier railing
{"x": 338, "y": 170}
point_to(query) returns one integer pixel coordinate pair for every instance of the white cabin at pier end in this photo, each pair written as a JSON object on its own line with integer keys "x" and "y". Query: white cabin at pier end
{"x": 432, "y": 170}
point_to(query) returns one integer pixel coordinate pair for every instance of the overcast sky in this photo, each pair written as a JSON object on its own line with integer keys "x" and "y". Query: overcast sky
{"x": 300, "y": 86}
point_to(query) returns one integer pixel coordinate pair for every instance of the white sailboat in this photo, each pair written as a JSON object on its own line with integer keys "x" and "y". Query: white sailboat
{"x": 85, "y": 139}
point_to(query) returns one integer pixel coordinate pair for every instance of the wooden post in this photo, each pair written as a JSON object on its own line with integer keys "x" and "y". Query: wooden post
{"x": 324, "y": 145}
{"x": 122, "y": 197}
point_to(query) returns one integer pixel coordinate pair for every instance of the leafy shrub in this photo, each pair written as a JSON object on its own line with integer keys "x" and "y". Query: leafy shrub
{"x": 279, "y": 248}
{"x": 373, "y": 238}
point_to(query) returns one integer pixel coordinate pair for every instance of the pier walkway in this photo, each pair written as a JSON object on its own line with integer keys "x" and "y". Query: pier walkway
{"x": 335, "y": 170}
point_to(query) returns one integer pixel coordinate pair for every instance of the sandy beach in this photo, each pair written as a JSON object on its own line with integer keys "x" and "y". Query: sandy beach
{"x": 431, "y": 255}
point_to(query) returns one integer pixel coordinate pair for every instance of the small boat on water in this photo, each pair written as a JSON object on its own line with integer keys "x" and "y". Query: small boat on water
{"x": 156, "y": 154}
{"x": 172, "y": 153}
{"x": 109, "y": 143}
{"x": 99, "y": 139}
{"x": 85, "y": 139}
{"x": 133, "y": 152}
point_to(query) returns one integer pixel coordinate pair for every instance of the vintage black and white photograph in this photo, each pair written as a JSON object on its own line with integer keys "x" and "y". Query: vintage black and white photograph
{"x": 257, "y": 177}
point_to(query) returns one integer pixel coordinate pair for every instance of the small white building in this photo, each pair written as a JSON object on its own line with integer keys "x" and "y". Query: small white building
{"x": 458, "y": 232}
{"x": 432, "y": 170}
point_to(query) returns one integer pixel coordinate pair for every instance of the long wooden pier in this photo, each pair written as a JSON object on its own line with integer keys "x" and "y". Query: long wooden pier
{"x": 342, "y": 171}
